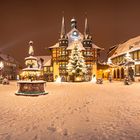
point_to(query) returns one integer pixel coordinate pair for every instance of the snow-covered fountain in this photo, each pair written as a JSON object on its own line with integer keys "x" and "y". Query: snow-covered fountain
{"x": 30, "y": 82}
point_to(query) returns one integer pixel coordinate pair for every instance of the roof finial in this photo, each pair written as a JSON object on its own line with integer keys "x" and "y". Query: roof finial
{"x": 73, "y": 23}
{"x": 31, "y": 50}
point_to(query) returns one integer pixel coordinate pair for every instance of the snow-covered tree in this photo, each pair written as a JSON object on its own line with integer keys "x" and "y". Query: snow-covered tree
{"x": 76, "y": 66}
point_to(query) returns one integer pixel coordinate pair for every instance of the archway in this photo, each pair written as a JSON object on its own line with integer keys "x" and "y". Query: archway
{"x": 122, "y": 73}
{"x": 114, "y": 74}
{"x": 118, "y": 73}
{"x": 131, "y": 73}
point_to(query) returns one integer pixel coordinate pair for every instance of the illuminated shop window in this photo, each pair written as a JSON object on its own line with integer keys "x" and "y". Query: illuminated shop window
{"x": 137, "y": 70}
{"x": 135, "y": 55}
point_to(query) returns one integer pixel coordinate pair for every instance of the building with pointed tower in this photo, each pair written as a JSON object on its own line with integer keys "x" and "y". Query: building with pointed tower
{"x": 61, "y": 51}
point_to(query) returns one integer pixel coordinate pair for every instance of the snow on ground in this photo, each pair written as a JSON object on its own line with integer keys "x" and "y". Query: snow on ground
{"x": 72, "y": 111}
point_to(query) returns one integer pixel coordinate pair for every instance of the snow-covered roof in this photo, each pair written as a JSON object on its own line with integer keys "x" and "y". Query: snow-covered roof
{"x": 48, "y": 63}
{"x": 47, "y": 60}
{"x": 129, "y": 46}
{"x": 75, "y": 38}
{"x": 54, "y": 46}
{"x": 31, "y": 57}
{"x": 71, "y": 36}
{"x": 96, "y": 47}
{"x": 78, "y": 43}
{"x": 7, "y": 58}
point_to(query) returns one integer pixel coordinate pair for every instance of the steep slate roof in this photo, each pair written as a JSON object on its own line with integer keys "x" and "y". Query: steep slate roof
{"x": 72, "y": 45}
{"x": 96, "y": 47}
{"x": 54, "y": 46}
{"x": 47, "y": 60}
{"x": 48, "y": 63}
{"x": 79, "y": 38}
{"x": 129, "y": 46}
{"x": 93, "y": 46}
{"x": 69, "y": 34}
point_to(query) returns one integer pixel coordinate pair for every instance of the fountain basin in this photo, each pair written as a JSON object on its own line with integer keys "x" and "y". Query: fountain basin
{"x": 31, "y": 88}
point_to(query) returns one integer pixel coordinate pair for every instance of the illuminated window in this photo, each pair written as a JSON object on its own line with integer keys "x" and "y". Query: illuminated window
{"x": 139, "y": 54}
{"x": 137, "y": 69}
{"x": 64, "y": 52}
{"x": 135, "y": 55}
{"x": 45, "y": 69}
{"x": 54, "y": 55}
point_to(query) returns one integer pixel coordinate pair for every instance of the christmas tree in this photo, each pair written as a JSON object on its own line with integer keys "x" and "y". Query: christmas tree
{"x": 76, "y": 66}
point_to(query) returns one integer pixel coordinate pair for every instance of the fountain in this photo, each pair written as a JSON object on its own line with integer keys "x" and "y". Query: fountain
{"x": 31, "y": 83}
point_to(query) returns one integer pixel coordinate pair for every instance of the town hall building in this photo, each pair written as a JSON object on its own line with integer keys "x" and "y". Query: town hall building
{"x": 56, "y": 65}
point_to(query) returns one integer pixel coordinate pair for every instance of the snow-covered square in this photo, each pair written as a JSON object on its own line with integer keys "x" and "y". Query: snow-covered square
{"x": 72, "y": 111}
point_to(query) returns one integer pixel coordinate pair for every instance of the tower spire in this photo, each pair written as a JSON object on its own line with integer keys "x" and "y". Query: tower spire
{"x": 63, "y": 41}
{"x": 63, "y": 31}
{"x": 87, "y": 41}
{"x": 86, "y": 31}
